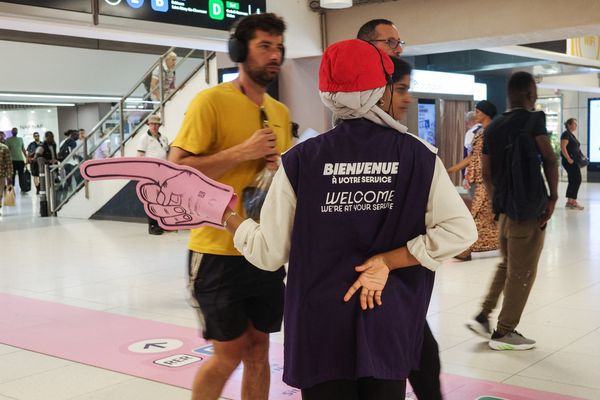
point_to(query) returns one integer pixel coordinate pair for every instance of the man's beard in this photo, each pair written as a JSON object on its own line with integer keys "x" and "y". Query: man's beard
{"x": 260, "y": 75}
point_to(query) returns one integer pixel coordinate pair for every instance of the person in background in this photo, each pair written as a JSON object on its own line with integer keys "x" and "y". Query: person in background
{"x": 366, "y": 346}
{"x": 425, "y": 380}
{"x": 472, "y": 128}
{"x": 384, "y": 35}
{"x": 2, "y": 137}
{"x": 6, "y": 171}
{"x": 570, "y": 153}
{"x": 31, "y": 154}
{"x": 48, "y": 149}
{"x": 481, "y": 205}
{"x": 153, "y": 144}
{"x": 521, "y": 223}
{"x": 168, "y": 78}
{"x": 67, "y": 148}
{"x": 103, "y": 150}
{"x": 18, "y": 156}
{"x": 238, "y": 304}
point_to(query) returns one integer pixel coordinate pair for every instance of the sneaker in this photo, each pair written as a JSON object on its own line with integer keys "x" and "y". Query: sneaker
{"x": 480, "y": 325}
{"x": 574, "y": 206}
{"x": 511, "y": 341}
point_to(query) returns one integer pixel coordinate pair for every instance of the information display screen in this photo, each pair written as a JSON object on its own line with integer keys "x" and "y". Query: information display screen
{"x": 594, "y": 130}
{"x": 71, "y": 5}
{"x": 427, "y": 120}
{"x": 211, "y": 14}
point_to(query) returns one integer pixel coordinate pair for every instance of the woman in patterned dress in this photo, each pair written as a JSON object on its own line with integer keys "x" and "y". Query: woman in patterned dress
{"x": 481, "y": 206}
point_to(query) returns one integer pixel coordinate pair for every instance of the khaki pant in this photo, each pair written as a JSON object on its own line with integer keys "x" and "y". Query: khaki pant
{"x": 521, "y": 244}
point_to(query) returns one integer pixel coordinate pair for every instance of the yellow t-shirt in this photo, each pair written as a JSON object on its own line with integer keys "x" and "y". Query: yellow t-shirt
{"x": 217, "y": 119}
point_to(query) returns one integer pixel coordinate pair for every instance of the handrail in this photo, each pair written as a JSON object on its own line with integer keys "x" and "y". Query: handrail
{"x": 119, "y": 109}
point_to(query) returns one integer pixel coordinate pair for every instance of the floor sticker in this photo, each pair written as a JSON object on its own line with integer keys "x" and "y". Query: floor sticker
{"x": 168, "y": 353}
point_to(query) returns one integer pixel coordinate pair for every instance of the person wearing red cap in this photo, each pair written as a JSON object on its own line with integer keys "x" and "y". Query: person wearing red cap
{"x": 365, "y": 207}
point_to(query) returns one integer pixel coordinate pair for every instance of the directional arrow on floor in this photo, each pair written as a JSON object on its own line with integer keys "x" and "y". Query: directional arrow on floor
{"x": 155, "y": 345}
{"x": 147, "y": 346}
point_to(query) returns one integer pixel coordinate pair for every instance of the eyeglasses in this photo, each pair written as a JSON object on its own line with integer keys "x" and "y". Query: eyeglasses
{"x": 392, "y": 43}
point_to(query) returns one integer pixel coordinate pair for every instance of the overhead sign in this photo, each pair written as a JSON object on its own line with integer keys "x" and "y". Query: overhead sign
{"x": 71, "y": 5}
{"x": 211, "y": 14}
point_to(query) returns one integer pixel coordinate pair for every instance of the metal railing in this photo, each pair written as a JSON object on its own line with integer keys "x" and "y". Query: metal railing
{"x": 124, "y": 120}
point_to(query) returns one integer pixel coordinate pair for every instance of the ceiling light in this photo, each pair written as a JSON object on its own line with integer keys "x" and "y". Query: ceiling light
{"x": 70, "y": 97}
{"x": 336, "y": 3}
{"x": 17, "y": 103}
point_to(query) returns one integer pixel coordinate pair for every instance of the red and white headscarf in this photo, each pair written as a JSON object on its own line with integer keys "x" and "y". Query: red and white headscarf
{"x": 352, "y": 79}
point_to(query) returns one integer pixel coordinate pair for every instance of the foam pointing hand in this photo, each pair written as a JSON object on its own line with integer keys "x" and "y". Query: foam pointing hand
{"x": 177, "y": 196}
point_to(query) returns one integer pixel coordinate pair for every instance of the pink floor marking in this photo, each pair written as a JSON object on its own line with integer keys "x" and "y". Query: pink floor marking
{"x": 102, "y": 340}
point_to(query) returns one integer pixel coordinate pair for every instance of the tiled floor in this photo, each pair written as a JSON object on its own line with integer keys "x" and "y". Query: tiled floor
{"x": 119, "y": 268}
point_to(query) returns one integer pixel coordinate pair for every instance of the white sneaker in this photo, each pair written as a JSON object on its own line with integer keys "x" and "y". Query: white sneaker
{"x": 511, "y": 341}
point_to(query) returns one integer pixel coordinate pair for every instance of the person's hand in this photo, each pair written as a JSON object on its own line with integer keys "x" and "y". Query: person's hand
{"x": 261, "y": 144}
{"x": 371, "y": 281}
{"x": 466, "y": 184}
{"x": 177, "y": 196}
{"x": 571, "y": 161}
{"x": 548, "y": 212}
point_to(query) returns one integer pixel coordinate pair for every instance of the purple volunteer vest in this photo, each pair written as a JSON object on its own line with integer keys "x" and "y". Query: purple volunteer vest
{"x": 361, "y": 189}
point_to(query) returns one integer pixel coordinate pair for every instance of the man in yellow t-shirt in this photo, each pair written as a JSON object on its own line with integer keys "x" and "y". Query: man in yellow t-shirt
{"x": 230, "y": 133}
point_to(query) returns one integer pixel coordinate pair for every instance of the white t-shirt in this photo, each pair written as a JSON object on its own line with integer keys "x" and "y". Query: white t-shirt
{"x": 469, "y": 135}
{"x": 153, "y": 147}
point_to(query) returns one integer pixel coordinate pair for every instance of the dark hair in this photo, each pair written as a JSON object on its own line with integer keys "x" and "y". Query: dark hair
{"x": 401, "y": 69}
{"x": 295, "y": 128}
{"x": 245, "y": 29}
{"x": 519, "y": 86}
{"x": 367, "y": 31}
{"x": 569, "y": 122}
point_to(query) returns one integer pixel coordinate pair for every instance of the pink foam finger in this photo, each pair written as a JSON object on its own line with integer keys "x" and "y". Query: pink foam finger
{"x": 134, "y": 168}
{"x": 202, "y": 198}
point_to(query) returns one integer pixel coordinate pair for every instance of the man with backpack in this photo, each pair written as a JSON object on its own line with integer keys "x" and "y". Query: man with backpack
{"x": 513, "y": 145}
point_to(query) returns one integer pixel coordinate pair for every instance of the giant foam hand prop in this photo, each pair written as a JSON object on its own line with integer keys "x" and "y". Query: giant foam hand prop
{"x": 176, "y": 196}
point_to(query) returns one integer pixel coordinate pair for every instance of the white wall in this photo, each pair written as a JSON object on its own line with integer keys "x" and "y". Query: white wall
{"x": 299, "y": 90}
{"x": 37, "y": 68}
{"x": 431, "y": 26}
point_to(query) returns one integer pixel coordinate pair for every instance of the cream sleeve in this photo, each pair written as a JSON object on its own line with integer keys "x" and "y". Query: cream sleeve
{"x": 450, "y": 229}
{"x": 267, "y": 245}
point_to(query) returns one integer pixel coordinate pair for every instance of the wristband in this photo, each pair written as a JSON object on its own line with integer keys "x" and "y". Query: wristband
{"x": 231, "y": 214}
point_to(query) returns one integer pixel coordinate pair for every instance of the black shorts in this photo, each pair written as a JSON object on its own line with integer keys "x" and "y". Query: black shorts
{"x": 229, "y": 293}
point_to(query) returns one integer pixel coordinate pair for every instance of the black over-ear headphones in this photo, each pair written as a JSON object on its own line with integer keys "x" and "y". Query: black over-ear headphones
{"x": 238, "y": 50}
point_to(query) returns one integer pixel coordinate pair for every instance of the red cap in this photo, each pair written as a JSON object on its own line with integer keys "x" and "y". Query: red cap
{"x": 354, "y": 66}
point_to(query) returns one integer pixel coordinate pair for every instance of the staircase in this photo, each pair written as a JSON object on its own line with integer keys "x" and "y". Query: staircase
{"x": 113, "y": 135}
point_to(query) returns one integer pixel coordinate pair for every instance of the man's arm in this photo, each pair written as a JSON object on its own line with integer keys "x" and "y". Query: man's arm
{"x": 550, "y": 164}
{"x": 261, "y": 144}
